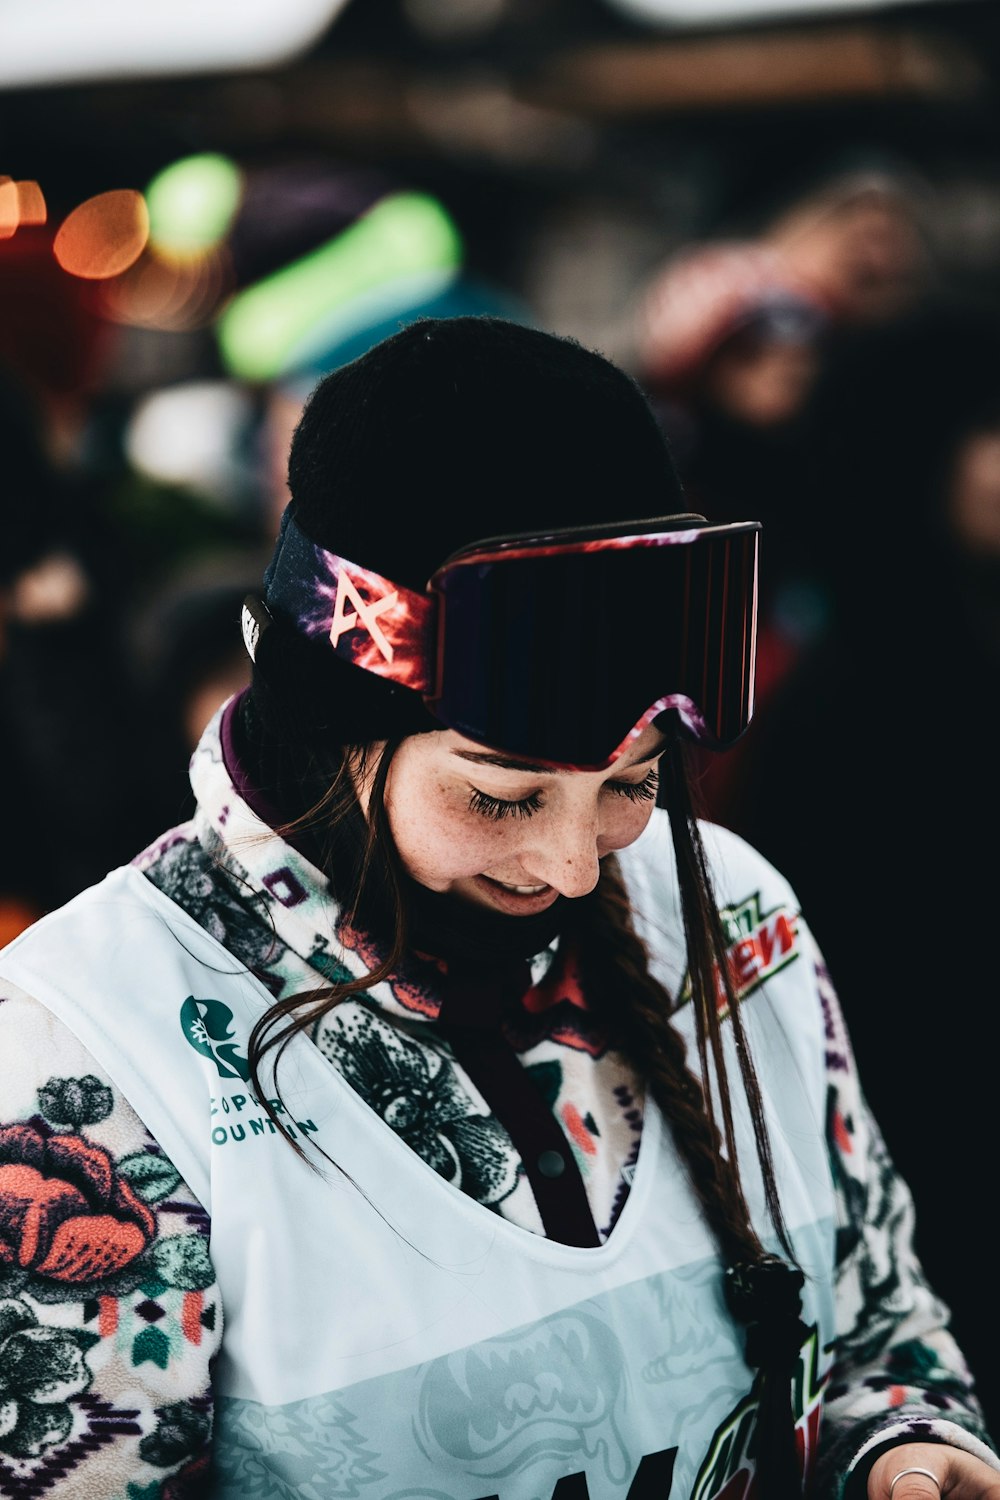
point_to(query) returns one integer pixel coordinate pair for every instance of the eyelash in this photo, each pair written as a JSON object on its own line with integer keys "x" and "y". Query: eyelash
{"x": 497, "y": 808}
{"x": 638, "y": 791}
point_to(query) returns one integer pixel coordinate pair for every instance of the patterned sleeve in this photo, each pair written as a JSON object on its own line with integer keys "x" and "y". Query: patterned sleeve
{"x": 898, "y": 1375}
{"x": 109, "y": 1308}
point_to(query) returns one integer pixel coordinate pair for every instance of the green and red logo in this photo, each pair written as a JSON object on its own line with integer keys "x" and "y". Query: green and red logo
{"x": 760, "y": 944}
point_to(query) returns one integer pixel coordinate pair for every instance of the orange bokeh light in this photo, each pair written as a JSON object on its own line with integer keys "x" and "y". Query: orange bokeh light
{"x": 20, "y": 203}
{"x": 10, "y": 213}
{"x": 31, "y": 203}
{"x": 160, "y": 292}
{"x": 103, "y": 236}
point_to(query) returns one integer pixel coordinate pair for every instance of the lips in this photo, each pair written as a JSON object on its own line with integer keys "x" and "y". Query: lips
{"x": 519, "y": 900}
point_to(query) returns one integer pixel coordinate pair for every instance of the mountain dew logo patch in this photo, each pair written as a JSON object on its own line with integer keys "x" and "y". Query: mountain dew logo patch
{"x": 208, "y": 1027}
{"x": 760, "y": 943}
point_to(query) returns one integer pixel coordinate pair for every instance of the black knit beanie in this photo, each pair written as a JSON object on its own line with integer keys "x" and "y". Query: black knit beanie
{"x": 452, "y": 430}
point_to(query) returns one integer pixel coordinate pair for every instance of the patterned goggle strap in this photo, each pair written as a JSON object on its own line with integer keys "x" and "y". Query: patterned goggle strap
{"x": 559, "y": 648}
{"x": 368, "y": 620}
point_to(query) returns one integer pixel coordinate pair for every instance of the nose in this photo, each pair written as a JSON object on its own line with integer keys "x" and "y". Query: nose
{"x": 565, "y": 855}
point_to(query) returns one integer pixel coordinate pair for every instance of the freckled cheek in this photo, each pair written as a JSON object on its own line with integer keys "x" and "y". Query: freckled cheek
{"x": 447, "y": 849}
{"x": 624, "y": 825}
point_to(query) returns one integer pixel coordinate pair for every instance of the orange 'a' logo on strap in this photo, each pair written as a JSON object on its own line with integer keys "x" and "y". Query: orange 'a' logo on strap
{"x": 363, "y": 615}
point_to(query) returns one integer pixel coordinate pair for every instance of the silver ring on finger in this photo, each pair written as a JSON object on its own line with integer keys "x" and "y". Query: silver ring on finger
{"x": 915, "y": 1469}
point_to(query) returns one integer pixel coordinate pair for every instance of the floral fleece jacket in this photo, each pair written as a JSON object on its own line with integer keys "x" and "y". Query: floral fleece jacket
{"x": 109, "y": 1309}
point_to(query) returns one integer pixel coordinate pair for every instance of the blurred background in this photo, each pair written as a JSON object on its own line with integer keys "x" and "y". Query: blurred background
{"x": 783, "y": 219}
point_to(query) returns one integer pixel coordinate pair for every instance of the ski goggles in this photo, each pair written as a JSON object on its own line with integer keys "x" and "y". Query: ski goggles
{"x": 559, "y": 648}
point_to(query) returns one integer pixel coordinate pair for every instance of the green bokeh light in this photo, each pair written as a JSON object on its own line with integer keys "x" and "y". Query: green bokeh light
{"x": 392, "y": 256}
{"x": 192, "y": 203}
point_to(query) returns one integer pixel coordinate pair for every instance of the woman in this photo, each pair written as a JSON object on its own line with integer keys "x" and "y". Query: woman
{"x": 519, "y": 1107}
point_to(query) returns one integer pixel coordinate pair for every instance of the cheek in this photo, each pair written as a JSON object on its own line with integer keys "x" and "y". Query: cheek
{"x": 624, "y": 823}
{"x": 451, "y": 845}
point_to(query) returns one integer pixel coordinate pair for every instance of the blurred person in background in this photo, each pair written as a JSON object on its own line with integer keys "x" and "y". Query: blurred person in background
{"x": 187, "y": 657}
{"x": 53, "y": 339}
{"x": 870, "y": 775}
{"x": 733, "y": 335}
{"x": 730, "y": 348}
{"x": 91, "y": 537}
{"x": 739, "y": 338}
{"x": 857, "y": 237}
{"x": 66, "y": 705}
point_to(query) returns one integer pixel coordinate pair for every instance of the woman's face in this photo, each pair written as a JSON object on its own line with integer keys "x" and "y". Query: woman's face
{"x": 503, "y": 832}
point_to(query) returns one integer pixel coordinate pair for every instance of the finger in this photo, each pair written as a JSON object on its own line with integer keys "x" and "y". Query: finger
{"x": 915, "y": 1483}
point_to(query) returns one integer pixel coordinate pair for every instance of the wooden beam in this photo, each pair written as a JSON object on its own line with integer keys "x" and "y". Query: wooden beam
{"x": 776, "y": 67}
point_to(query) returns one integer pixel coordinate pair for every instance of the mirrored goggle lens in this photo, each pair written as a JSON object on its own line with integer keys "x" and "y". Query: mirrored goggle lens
{"x": 563, "y": 654}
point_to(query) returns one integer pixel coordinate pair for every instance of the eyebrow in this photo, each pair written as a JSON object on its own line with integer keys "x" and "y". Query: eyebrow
{"x": 510, "y": 763}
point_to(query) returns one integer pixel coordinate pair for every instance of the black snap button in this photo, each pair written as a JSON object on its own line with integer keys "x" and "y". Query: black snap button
{"x": 551, "y": 1164}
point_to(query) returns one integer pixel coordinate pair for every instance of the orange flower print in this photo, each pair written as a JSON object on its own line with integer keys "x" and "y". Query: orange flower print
{"x": 66, "y": 1215}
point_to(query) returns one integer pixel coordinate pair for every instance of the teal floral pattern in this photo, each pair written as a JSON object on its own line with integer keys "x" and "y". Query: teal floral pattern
{"x": 41, "y": 1369}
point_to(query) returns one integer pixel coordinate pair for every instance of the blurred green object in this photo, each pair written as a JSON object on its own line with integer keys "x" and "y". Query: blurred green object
{"x": 403, "y": 251}
{"x": 193, "y": 202}
{"x": 466, "y": 296}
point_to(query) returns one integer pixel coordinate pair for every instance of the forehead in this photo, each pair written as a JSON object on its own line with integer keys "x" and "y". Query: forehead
{"x": 642, "y": 750}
